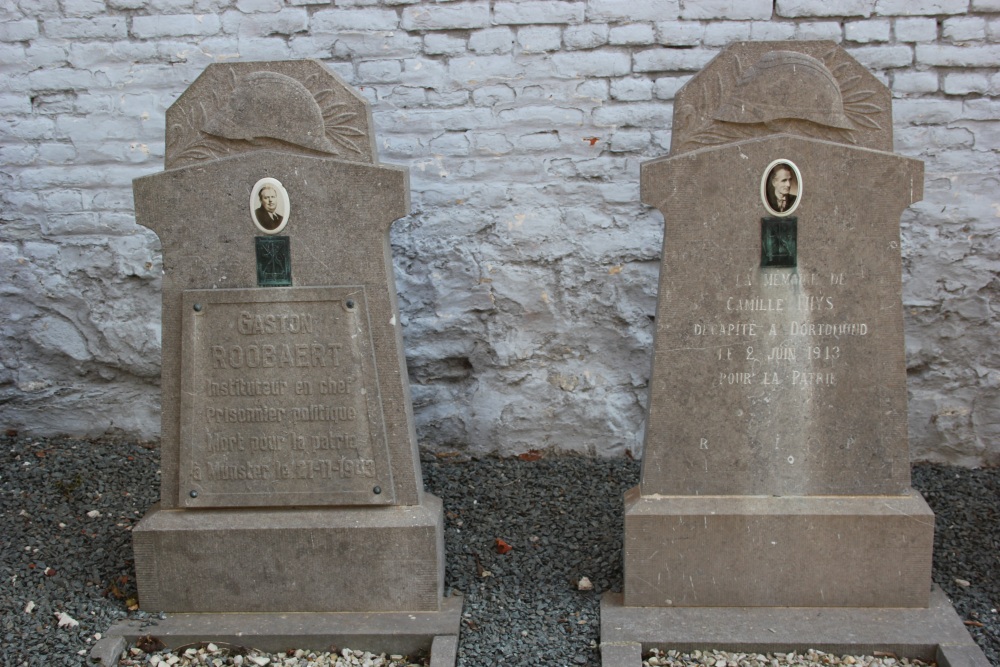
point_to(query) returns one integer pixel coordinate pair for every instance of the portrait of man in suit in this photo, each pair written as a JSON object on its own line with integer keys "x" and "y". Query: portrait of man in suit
{"x": 269, "y": 205}
{"x": 781, "y": 188}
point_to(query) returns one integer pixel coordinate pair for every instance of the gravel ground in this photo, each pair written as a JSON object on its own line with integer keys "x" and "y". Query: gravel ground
{"x": 67, "y": 508}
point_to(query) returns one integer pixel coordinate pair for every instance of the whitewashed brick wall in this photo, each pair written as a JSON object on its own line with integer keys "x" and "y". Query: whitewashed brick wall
{"x": 527, "y": 270}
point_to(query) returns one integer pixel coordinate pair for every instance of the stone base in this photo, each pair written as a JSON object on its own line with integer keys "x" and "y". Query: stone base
{"x": 757, "y": 551}
{"x": 406, "y": 633}
{"x": 335, "y": 559}
{"x": 932, "y": 634}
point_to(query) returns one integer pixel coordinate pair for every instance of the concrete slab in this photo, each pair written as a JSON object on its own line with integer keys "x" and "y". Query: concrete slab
{"x": 933, "y": 633}
{"x": 755, "y": 551}
{"x": 331, "y": 559}
{"x": 433, "y": 632}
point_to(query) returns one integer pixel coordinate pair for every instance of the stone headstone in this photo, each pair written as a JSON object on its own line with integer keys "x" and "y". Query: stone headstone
{"x": 776, "y": 468}
{"x": 290, "y": 477}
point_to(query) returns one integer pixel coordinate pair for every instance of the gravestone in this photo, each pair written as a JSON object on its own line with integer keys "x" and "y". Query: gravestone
{"x": 290, "y": 477}
{"x": 776, "y": 469}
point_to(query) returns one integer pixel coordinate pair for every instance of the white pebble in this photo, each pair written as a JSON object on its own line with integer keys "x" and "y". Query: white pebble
{"x": 584, "y": 584}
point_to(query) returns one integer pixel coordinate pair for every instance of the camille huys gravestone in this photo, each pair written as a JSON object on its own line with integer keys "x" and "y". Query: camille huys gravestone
{"x": 776, "y": 469}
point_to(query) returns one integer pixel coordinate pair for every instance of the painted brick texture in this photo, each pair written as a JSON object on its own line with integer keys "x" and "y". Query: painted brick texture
{"x": 527, "y": 270}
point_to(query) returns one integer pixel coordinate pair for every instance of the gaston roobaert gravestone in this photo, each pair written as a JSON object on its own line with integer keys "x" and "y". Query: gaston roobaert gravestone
{"x": 776, "y": 464}
{"x": 290, "y": 477}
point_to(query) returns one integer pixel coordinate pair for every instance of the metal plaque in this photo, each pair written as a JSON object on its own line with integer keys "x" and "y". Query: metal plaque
{"x": 280, "y": 403}
{"x": 274, "y": 261}
{"x": 777, "y": 241}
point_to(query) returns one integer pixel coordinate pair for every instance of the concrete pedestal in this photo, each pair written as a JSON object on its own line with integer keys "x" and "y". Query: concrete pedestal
{"x": 335, "y": 559}
{"x": 935, "y": 633}
{"x": 756, "y": 551}
{"x": 406, "y": 633}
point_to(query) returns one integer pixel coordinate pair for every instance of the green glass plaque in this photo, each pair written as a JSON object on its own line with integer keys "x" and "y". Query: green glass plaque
{"x": 777, "y": 241}
{"x": 274, "y": 261}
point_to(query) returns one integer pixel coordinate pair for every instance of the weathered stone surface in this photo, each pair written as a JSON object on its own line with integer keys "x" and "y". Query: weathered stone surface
{"x": 83, "y": 117}
{"x": 930, "y": 634}
{"x": 758, "y": 551}
{"x": 776, "y": 464}
{"x": 742, "y": 93}
{"x": 785, "y": 381}
{"x": 325, "y": 559}
{"x": 285, "y": 394}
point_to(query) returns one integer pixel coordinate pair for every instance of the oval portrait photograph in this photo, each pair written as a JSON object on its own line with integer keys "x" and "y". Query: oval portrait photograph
{"x": 781, "y": 187}
{"x": 269, "y": 205}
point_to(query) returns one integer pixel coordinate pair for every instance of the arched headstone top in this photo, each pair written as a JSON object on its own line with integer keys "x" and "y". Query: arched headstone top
{"x": 293, "y": 106}
{"x": 812, "y": 89}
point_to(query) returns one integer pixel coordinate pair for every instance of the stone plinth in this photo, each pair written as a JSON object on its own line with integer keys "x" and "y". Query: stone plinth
{"x": 757, "y": 551}
{"x": 342, "y": 559}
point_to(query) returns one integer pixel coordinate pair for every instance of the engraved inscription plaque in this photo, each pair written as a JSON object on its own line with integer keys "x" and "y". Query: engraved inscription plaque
{"x": 279, "y": 400}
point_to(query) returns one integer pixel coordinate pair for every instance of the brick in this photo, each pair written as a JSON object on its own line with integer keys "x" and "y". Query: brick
{"x": 492, "y": 95}
{"x": 435, "y": 120}
{"x": 466, "y": 71}
{"x": 666, "y": 87}
{"x": 533, "y": 13}
{"x": 915, "y": 30}
{"x": 255, "y": 6}
{"x": 458, "y": 16}
{"x": 439, "y": 44}
{"x": 32, "y": 128}
{"x": 650, "y": 114}
{"x": 680, "y": 33}
{"x": 450, "y": 143}
{"x": 492, "y": 40}
{"x": 915, "y": 82}
{"x": 424, "y": 72}
{"x": 629, "y": 141}
{"x": 993, "y": 29}
{"x": 591, "y": 63}
{"x": 634, "y": 10}
{"x": 883, "y": 57}
{"x": 286, "y": 22}
{"x": 333, "y": 20}
{"x": 11, "y": 104}
{"x": 452, "y": 98}
{"x": 964, "y": 28}
{"x": 920, "y": 7}
{"x": 491, "y": 143}
{"x": 43, "y": 53}
{"x": 720, "y": 34}
{"x": 538, "y": 141}
{"x": 958, "y": 56}
{"x": 61, "y": 79}
{"x": 181, "y": 25}
{"x": 395, "y": 44}
{"x": 823, "y": 8}
{"x": 985, "y": 5}
{"x": 632, "y": 34}
{"x": 18, "y": 31}
{"x": 820, "y": 30}
{"x": 35, "y": 8}
{"x": 406, "y": 96}
{"x": 179, "y": 7}
{"x": 672, "y": 60}
{"x": 379, "y": 71}
{"x": 727, "y": 9}
{"x": 263, "y": 48}
{"x": 863, "y": 32}
{"x": 595, "y": 90}
{"x": 965, "y": 83}
{"x": 539, "y": 39}
{"x": 771, "y": 30}
{"x": 541, "y": 116}
{"x": 83, "y": 8}
{"x": 586, "y": 36}
{"x": 926, "y": 112}
{"x": 631, "y": 90}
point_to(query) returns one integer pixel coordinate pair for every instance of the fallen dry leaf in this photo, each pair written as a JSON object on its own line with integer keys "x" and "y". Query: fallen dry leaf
{"x": 503, "y": 547}
{"x": 530, "y": 455}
